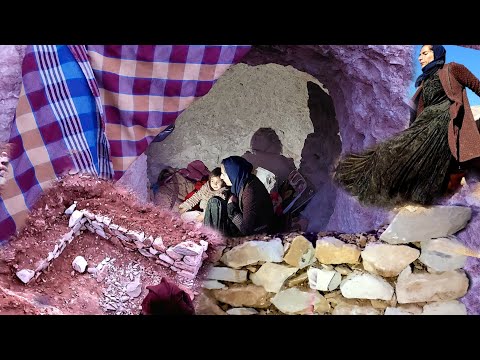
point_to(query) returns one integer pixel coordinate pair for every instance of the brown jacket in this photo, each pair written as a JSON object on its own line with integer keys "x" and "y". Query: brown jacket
{"x": 463, "y": 135}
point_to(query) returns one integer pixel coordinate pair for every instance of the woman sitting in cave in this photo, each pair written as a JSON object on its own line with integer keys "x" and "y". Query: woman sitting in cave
{"x": 419, "y": 164}
{"x": 249, "y": 209}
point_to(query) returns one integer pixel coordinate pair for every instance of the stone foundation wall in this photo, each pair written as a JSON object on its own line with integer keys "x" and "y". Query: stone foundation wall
{"x": 412, "y": 267}
{"x": 185, "y": 258}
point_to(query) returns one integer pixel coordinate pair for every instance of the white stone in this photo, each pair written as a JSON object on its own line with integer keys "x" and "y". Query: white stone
{"x": 452, "y": 307}
{"x": 388, "y": 260}
{"x": 153, "y": 251}
{"x": 79, "y": 264}
{"x": 213, "y": 284}
{"x": 204, "y": 245}
{"x": 417, "y": 223}
{"x": 192, "y": 260}
{"x": 186, "y": 274}
{"x": 25, "y": 275}
{"x": 41, "y": 265}
{"x": 294, "y": 301}
{"x": 347, "y": 309}
{"x": 173, "y": 254}
{"x": 99, "y": 218}
{"x": 324, "y": 280}
{"x": 242, "y": 311}
{"x": 77, "y": 227}
{"x": 396, "y": 311}
{"x": 166, "y": 258}
{"x": 366, "y": 286}
{"x": 121, "y": 236}
{"x": 75, "y": 218}
{"x": 88, "y": 214}
{"x": 68, "y": 237}
{"x": 183, "y": 266}
{"x": 252, "y": 252}
{"x": 227, "y": 274}
{"x": 97, "y": 225}
{"x": 136, "y": 236}
{"x": 148, "y": 241}
{"x": 62, "y": 247}
{"x": 158, "y": 244}
{"x": 426, "y": 287}
{"x": 113, "y": 227}
{"x": 145, "y": 253}
{"x": 188, "y": 248}
{"x": 107, "y": 220}
{"x": 134, "y": 289}
{"x": 272, "y": 276}
{"x": 70, "y": 209}
{"x": 435, "y": 254}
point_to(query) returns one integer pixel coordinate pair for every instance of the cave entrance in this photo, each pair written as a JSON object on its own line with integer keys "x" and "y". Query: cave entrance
{"x": 277, "y": 117}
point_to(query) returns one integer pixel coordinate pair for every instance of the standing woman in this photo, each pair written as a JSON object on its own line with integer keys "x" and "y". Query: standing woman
{"x": 414, "y": 165}
{"x": 249, "y": 210}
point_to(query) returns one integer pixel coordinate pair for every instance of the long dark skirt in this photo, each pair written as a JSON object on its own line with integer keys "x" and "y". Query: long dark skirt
{"x": 216, "y": 217}
{"x": 411, "y": 167}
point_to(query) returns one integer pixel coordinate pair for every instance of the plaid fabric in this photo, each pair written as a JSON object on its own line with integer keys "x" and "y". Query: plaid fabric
{"x": 144, "y": 88}
{"x": 56, "y": 129}
{"x": 95, "y": 109}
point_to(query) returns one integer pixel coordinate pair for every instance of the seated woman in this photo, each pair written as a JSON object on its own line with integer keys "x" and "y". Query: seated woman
{"x": 249, "y": 210}
{"x": 213, "y": 187}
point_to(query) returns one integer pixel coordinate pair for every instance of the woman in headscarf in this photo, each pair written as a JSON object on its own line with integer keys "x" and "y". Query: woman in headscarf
{"x": 414, "y": 166}
{"x": 249, "y": 209}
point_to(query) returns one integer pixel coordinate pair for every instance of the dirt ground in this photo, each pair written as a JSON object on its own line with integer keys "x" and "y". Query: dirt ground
{"x": 61, "y": 290}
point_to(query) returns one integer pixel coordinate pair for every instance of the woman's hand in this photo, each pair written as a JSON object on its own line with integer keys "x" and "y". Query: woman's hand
{"x": 200, "y": 217}
{"x": 181, "y": 210}
{"x": 232, "y": 198}
{"x": 3, "y": 167}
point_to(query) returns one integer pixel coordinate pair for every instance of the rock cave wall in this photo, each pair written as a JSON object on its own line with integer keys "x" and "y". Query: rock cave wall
{"x": 222, "y": 123}
{"x": 10, "y": 83}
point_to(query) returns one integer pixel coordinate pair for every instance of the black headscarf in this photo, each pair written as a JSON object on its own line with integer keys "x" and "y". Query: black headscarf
{"x": 238, "y": 170}
{"x": 439, "y": 54}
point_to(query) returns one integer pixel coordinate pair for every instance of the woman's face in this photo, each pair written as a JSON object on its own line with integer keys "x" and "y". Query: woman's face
{"x": 224, "y": 176}
{"x": 426, "y": 55}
